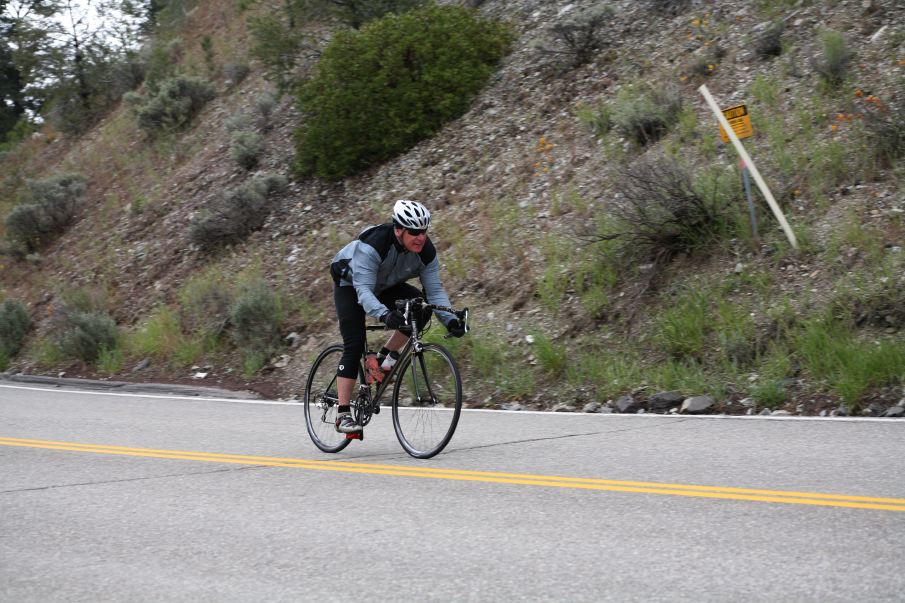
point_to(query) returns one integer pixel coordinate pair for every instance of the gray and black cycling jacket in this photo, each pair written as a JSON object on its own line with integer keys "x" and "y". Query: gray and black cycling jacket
{"x": 376, "y": 261}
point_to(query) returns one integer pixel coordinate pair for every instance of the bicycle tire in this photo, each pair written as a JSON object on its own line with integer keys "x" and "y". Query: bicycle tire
{"x": 320, "y": 389}
{"x": 427, "y": 401}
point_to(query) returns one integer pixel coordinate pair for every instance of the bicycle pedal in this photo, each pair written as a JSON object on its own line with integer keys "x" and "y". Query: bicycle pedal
{"x": 355, "y": 436}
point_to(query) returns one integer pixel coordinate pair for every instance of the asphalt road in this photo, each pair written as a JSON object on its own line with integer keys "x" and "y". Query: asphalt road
{"x": 116, "y": 497}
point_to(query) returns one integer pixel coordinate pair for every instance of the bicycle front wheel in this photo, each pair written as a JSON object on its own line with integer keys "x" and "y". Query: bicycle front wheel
{"x": 427, "y": 401}
{"x": 321, "y": 401}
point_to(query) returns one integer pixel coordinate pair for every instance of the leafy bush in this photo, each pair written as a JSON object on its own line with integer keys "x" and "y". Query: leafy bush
{"x": 87, "y": 334}
{"x": 378, "y": 91}
{"x": 242, "y": 212}
{"x": 162, "y": 59}
{"x": 278, "y": 47}
{"x": 80, "y": 100}
{"x": 85, "y": 328}
{"x": 174, "y": 105}
{"x": 204, "y": 304}
{"x": 52, "y": 206}
{"x": 578, "y": 39}
{"x": 14, "y": 325}
{"x": 159, "y": 337}
{"x": 645, "y": 115}
{"x": 836, "y": 56}
{"x": 245, "y": 148}
{"x": 256, "y": 317}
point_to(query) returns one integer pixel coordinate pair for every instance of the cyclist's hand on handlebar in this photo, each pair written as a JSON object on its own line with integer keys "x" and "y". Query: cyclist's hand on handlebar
{"x": 393, "y": 320}
{"x": 456, "y": 328}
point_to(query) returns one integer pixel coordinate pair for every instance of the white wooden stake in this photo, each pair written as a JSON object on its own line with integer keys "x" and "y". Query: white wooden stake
{"x": 747, "y": 159}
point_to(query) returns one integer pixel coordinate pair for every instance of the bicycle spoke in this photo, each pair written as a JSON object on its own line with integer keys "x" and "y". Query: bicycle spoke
{"x": 427, "y": 401}
{"x": 321, "y": 401}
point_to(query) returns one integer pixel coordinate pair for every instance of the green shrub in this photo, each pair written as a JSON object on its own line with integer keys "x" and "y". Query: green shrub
{"x": 175, "y": 104}
{"x": 242, "y": 212}
{"x": 204, "y": 303}
{"x": 162, "y": 60}
{"x": 257, "y": 316}
{"x": 52, "y": 206}
{"x": 245, "y": 148}
{"x": 378, "y": 91}
{"x": 80, "y": 99}
{"x": 644, "y": 115}
{"x": 110, "y": 361}
{"x": 577, "y": 39}
{"x": 14, "y": 325}
{"x": 87, "y": 334}
{"x": 833, "y": 63}
{"x": 159, "y": 337}
{"x": 598, "y": 120}
{"x": 277, "y": 46}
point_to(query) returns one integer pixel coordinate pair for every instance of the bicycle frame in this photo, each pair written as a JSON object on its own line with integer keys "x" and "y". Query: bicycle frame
{"x": 364, "y": 404}
{"x": 417, "y": 383}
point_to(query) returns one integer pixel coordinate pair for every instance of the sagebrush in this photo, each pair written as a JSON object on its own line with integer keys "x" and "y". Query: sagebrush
{"x": 242, "y": 212}
{"x": 50, "y": 207}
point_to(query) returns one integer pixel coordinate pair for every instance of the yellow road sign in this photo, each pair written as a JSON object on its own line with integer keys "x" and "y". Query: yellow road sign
{"x": 740, "y": 121}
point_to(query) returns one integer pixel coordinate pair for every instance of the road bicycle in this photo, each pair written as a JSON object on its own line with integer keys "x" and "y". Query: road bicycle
{"x": 425, "y": 381}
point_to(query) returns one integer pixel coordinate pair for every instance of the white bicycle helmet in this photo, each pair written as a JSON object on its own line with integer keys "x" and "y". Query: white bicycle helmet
{"x": 411, "y": 214}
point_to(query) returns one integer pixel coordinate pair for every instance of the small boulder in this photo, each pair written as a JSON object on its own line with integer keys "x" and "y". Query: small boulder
{"x": 697, "y": 405}
{"x": 626, "y": 404}
{"x": 663, "y": 401}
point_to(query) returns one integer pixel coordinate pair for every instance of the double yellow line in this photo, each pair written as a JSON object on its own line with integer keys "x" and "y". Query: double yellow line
{"x": 549, "y": 481}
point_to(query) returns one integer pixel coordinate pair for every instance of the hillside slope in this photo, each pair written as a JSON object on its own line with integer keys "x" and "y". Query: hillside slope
{"x": 517, "y": 185}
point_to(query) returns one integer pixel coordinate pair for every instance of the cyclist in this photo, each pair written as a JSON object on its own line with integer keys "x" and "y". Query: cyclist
{"x": 369, "y": 275}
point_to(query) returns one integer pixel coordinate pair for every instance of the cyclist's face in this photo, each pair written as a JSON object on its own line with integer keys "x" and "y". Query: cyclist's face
{"x": 413, "y": 243}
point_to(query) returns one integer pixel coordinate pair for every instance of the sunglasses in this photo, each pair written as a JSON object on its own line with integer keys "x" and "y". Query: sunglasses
{"x": 416, "y": 231}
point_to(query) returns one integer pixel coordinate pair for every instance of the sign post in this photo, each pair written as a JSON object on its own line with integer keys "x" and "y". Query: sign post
{"x": 727, "y": 128}
{"x": 740, "y": 121}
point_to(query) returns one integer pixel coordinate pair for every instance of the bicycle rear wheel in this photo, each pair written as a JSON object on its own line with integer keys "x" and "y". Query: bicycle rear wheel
{"x": 427, "y": 401}
{"x": 321, "y": 401}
